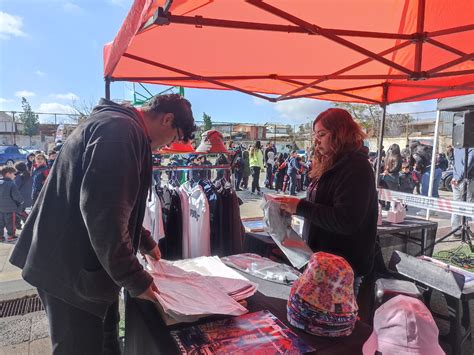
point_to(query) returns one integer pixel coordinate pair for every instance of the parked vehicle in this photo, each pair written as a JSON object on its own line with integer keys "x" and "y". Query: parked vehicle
{"x": 10, "y": 154}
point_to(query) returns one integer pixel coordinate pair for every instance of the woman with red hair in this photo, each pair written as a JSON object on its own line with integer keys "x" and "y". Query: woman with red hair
{"x": 341, "y": 207}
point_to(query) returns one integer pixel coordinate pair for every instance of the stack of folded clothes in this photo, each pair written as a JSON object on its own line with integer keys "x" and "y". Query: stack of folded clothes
{"x": 322, "y": 300}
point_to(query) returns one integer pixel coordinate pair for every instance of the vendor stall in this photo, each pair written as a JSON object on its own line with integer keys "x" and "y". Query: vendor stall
{"x": 383, "y": 52}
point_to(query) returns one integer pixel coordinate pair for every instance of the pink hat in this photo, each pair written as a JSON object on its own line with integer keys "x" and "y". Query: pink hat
{"x": 403, "y": 325}
{"x": 212, "y": 142}
{"x": 327, "y": 284}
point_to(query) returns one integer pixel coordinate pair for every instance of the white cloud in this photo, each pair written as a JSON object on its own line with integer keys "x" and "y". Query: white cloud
{"x": 121, "y": 3}
{"x": 24, "y": 93}
{"x": 55, "y": 107}
{"x": 69, "y": 96}
{"x": 40, "y": 73}
{"x": 10, "y": 26}
{"x": 300, "y": 110}
{"x": 72, "y": 8}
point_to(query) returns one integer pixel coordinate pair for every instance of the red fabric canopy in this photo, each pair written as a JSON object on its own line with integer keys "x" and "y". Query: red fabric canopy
{"x": 372, "y": 51}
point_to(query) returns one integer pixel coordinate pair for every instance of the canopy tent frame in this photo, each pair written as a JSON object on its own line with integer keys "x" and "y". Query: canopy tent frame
{"x": 297, "y": 26}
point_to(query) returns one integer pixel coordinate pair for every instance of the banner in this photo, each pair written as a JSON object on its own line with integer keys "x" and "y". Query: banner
{"x": 432, "y": 203}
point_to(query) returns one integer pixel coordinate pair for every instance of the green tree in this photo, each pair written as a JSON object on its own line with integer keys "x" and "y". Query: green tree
{"x": 29, "y": 119}
{"x": 370, "y": 116}
{"x": 207, "y": 121}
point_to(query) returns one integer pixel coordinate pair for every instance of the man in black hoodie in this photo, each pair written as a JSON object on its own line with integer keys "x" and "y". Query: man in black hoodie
{"x": 79, "y": 244}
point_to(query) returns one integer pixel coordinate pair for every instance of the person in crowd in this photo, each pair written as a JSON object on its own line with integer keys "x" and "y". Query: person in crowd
{"x": 300, "y": 173}
{"x": 416, "y": 177}
{"x": 156, "y": 173}
{"x": 238, "y": 169}
{"x": 245, "y": 169}
{"x": 293, "y": 171}
{"x": 341, "y": 206}
{"x": 450, "y": 154}
{"x": 460, "y": 181}
{"x": 194, "y": 175}
{"x": 425, "y": 181}
{"x": 79, "y": 244}
{"x": 442, "y": 161}
{"x": 281, "y": 168}
{"x": 30, "y": 162}
{"x": 406, "y": 181}
{"x": 58, "y": 146}
{"x": 24, "y": 183}
{"x": 307, "y": 179}
{"x": 39, "y": 176}
{"x": 10, "y": 201}
{"x": 222, "y": 173}
{"x": 51, "y": 158}
{"x": 256, "y": 165}
{"x": 270, "y": 162}
{"x": 406, "y": 153}
{"x": 390, "y": 178}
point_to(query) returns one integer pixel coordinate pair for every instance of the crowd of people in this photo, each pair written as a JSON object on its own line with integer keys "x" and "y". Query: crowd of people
{"x": 409, "y": 170}
{"x": 19, "y": 189}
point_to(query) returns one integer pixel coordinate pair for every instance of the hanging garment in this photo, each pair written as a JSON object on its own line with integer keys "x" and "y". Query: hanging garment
{"x": 215, "y": 216}
{"x": 232, "y": 228}
{"x": 171, "y": 246}
{"x": 196, "y": 225}
{"x": 153, "y": 219}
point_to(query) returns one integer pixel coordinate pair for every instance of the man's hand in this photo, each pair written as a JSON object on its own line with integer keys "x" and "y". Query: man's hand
{"x": 150, "y": 293}
{"x": 154, "y": 253}
{"x": 454, "y": 182}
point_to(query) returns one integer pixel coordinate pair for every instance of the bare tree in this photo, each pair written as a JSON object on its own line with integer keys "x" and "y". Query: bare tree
{"x": 83, "y": 110}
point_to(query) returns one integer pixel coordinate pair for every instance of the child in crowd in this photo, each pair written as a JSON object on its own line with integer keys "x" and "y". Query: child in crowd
{"x": 406, "y": 180}
{"x": 281, "y": 168}
{"x": 30, "y": 162}
{"x": 39, "y": 175}
{"x": 51, "y": 158}
{"x": 245, "y": 169}
{"x": 10, "y": 201}
{"x": 24, "y": 184}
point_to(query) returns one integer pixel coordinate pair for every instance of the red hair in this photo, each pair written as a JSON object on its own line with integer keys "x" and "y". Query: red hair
{"x": 346, "y": 136}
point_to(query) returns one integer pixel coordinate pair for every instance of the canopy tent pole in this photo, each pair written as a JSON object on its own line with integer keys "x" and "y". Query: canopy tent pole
{"x": 381, "y": 134}
{"x": 380, "y": 141}
{"x": 107, "y": 88}
{"x": 433, "y": 159}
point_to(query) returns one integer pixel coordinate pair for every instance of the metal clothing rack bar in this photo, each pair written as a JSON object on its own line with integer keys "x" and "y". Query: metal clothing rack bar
{"x": 191, "y": 167}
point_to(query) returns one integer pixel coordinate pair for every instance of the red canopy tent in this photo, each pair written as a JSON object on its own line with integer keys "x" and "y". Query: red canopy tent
{"x": 368, "y": 51}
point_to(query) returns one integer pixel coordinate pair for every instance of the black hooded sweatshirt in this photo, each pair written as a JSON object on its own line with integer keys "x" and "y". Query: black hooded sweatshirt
{"x": 341, "y": 211}
{"x": 80, "y": 241}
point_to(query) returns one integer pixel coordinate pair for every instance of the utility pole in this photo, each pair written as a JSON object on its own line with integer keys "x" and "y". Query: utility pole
{"x": 14, "y": 128}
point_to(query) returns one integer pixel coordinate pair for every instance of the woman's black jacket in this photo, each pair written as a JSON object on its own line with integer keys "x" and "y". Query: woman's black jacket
{"x": 341, "y": 211}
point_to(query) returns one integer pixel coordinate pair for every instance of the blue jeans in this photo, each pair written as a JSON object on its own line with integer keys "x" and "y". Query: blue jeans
{"x": 293, "y": 183}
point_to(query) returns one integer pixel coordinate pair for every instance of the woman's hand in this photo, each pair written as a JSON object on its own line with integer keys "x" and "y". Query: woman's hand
{"x": 288, "y": 203}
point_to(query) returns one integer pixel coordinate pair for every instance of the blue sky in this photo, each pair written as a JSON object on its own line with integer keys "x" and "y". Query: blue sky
{"x": 51, "y": 53}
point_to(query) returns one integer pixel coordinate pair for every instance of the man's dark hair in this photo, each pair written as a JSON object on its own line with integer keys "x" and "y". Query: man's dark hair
{"x": 179, "y": 107}
{"x": 7, "y": 169}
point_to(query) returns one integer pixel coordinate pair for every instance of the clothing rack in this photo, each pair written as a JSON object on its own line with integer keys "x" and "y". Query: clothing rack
{"x": 192, "y": 167}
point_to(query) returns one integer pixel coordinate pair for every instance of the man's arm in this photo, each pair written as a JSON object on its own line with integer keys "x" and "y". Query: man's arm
{"x": 109, "y": 192}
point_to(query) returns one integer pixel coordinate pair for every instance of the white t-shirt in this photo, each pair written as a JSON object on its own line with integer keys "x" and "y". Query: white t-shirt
{"x": 153, "y": 219}
{"x": 196, "y": 224}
